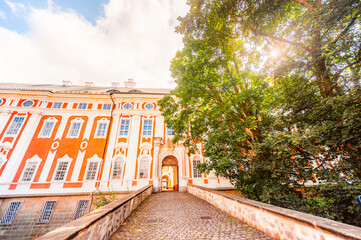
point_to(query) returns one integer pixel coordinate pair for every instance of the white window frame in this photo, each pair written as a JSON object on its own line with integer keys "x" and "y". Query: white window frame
{"x": 56, "y": 105}
{"x": 147, "y": 130}
{"x": 127, "y": 104}
{"x": 82, "y": 104}
{"x": 48, "y": 120}
{"x": 101, "y": 121}
{"x": 106, "y": 104}
{"x": 10, "y": 212}
{"x": 34, "y": 160}
{"x": 195, "y": 172}
{"x": 121, "y": 159}
{"x": 32, "y": 103}
{"x": 170, "y": 130}
{"x": 123, "y": 130}
{"x": 74, "y": 121}
{"x": 149, "y": 104}
{"x": 41, "y": 216}
{"x": 64, "y": 159}
{"x": 94, "y": 159}
{"x": 144, "y": 158}
{"x": 14, "y": 126}
{"x": 80, "y": 209}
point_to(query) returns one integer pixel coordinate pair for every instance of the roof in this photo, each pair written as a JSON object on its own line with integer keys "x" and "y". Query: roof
{"x": 80, "y": 89}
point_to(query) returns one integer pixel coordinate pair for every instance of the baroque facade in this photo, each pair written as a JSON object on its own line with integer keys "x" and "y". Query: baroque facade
{"x": 62, "y": 141}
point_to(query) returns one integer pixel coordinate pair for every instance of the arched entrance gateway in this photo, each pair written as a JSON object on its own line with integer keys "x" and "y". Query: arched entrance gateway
{"x": 170, "y": 174}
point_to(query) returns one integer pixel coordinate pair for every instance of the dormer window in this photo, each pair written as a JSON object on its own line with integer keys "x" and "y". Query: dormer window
{"x": 28, "y": 103}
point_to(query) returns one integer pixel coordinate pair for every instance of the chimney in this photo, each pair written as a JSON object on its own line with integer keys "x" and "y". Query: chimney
{"x": 115, "y": 84}
{"x": 89, "y": 84}
{"x": 130, "y": 83}
{"x": 66, "y": 83}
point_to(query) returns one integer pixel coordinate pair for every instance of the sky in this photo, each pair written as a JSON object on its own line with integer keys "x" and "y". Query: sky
{"x": 99, "y": 41}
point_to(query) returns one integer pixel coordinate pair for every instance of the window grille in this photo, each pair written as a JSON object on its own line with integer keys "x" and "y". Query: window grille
{"x": 149, "y": 106}
{"x": 82, "y": 105}
{"x": 124, "y": 127}
{"x": 147, "y": 127}
{"x": 143, "y": 168}
{"x": 57, "y": 105}
{"x": 15, "y": 125}
{"x": 107, "y": 106}
{"x": 92, "y": 171}
{"x": 127, "y": 106}
{"x": 10, "y": 213}
{"x": 170, "y": 132}
{"x": 74, "y": 129}
{"x": 29, "y": 171}
{"x": 28, "y": 103}
{"x": 60, "y": 172}
{"x": 81, "y": 209}
{"x": 46, "y": 131}
{"x": 101, "y": 130}
{"x": 117, "y": 168}
{"x": 196, "y": 172}
{"x": 46, "y": 212}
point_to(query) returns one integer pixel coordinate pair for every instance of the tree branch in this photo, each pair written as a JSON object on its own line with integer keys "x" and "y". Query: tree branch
{"x": 347, "y": 66}
{"x": 255, "y": 31}
{"x": 305, "y": 4}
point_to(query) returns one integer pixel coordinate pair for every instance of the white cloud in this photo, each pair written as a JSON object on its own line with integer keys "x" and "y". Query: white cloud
{"x": 2, "y": 15}
{"x": 134, "y": 39}
{"x": 15, "y": 7}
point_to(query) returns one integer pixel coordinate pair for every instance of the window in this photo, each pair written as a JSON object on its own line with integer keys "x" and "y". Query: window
{"x": 196, "y": 172}
{"x": 124, "y": 127}
{"x": 82, "y": 105}
{"x": 74, "y": 129}
{"x": 81, "y": 209}
{"x": 46, "y": 212}
{"x": 117, "y": 168}
{"x": 147, "y": 127}
{"x": 10, "y": 213}
{"x": 170, "y": 132}
{"x": 47, "y": 129}
{"x": 92, "y": 170}
{"x": 1, "y": 101}
{"x": 127, "y": 105}
{"x": 15, "y": 126}
{"x": 143, "y": 168}
{"x": 61, "y": 171}
{"x": 29, "y": 171}
{"x": 107, "y": 106}
{"x": 102, "y": 127}
{"x": 57, "y": 105}
{"x": 28, "y": 103}
{"x": 149, "y": 106}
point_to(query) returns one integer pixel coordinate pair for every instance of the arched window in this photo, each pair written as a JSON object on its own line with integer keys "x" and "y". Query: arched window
{"x": 28, "y": 103}
{"x": 196, "y": 172}
{"x": 149, "y": 106}
{"x": 144, "y": 168}
{"x": 127, "y": 106}
{"x": 117, "y": 168}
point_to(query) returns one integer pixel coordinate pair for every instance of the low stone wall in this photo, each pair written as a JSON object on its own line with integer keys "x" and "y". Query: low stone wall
{"x": 103, "y": 222}
{"x": 277, "y": 222}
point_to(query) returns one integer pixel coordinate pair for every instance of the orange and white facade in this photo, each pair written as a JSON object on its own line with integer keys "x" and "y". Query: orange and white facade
{"x": 73, "y": 139}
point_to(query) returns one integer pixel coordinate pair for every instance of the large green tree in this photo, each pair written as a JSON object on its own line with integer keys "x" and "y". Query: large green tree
{"x": 272, "y": 88}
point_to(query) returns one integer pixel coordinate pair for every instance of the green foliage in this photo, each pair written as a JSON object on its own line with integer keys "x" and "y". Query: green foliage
{"x": 274, "y": 124}
{"x": 103, "y": 198}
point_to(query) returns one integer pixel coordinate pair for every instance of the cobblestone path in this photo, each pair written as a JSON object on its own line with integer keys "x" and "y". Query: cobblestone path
{"x": 173, "y": 215}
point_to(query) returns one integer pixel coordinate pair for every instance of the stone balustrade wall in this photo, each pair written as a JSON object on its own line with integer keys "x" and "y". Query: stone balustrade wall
{"x": 102, "y": 222}
{"x": 277, "y": 222}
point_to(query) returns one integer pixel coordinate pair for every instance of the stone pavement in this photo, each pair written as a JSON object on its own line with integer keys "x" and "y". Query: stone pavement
{"x": 174, "y": 215}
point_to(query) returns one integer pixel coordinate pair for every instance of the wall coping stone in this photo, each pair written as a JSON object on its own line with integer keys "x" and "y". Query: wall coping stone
{"x": 337, "y": 228}
{"x": 71, "y": 229}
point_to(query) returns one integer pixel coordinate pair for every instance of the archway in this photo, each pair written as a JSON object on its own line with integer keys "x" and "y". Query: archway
{"x": 170, "y": 174}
